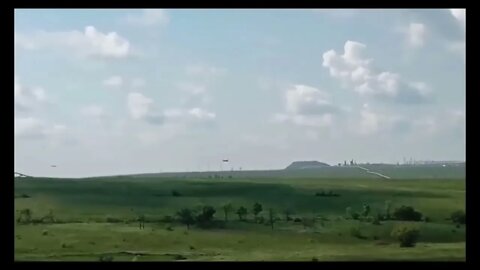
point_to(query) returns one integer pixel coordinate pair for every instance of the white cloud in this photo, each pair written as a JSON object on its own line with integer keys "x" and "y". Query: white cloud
{"x": 114, "y": 81}
{"x": 34, "y": 128}
{"x": 355, "y": 71}
{"x": 138, "y": 105}
{"x": 460, "y": 15}
{"x": 307, "y": 106}
{"x": 90, "y": 42}
{"x": 201, "y": 114}
{"x": 149, "y": 17}
{"x": 416, "y": 34}
{"x": 94, "y": 111}
{"x": 28, "y": 98}
{"x": 302, "y": 99}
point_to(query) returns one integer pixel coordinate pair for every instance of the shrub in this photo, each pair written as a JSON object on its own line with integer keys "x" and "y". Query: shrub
{"x": 355, "y": 232}
{"x": 167, "y": 219}
{"x": 113, "y": 220}
{"x": 406, "y": 235}
{"x": 45, "y": 232}
{"x": 407, "y": 213}
{"x": 179, "y": 257}
{"x": 105, "y": 258}
{"x": 185, "y": 216}
{"x": 376, "y": 220}
{"x": 458, "y": 217}
{"x": 205, "y": 217}
{"x": 297, "y": 220}
{"x": 355, "y": 215}
{"x": 176, "y": 193}
{"x": 314, "y": 259}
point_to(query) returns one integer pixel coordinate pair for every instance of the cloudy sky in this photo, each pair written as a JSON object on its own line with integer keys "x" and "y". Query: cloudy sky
{"x": 101, "y": 92}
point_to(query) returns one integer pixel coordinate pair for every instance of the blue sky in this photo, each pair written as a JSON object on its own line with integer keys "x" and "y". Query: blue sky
{"x": 101, "y": 92}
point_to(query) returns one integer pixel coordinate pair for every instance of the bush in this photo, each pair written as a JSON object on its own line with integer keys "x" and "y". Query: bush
{"x": 458, "y": 217}
{"x": 176, "y": 193}
{"x": 167, "y": 219}
{"x": 297, "y": 220}
{"x": 376, "y": 220}
{"x": 407, "y": 213}
{"x": 355, "y": 232}
{"x": 355, "y": 215}
{"x": 113, "y": 220}
{"x": 314, "y": 259}
{"x": 45, "y": 232}
{"x": 105, "y": 258}
{"x": 407, "y": 236}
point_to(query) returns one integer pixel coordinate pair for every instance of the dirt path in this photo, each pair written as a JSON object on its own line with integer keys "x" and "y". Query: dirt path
{"x": 376, "y": 173}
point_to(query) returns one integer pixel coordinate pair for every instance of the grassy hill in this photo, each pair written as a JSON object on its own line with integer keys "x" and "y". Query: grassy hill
{"x": 104, "y": 210}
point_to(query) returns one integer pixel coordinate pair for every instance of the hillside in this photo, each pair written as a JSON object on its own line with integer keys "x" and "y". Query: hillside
{"x": 299, "y": 165}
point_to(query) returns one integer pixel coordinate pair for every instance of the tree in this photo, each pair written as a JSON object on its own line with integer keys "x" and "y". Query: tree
{"x": 388, "y": 205}
{"x": 287, "y": 212}
{"x": 185, "y": 216}
{"x": 206, "y": 216}
{"x": 458, "y": 217}
{"x": 227, "y": 208}
{"x": 348, "y": 212}
{"x": 257, "y": 208}
{"x": 141, "y": 221}
{"x": 407, "y": 213}
{"x": 366, "y": 210}
{"x": 25, "y": 216}
{"x": 308, "y": 222}
{"x": 242, "y": 212}
{"x": 271, "y": 217}
{"x": 407, "y": 236}
{"x": 49, "y": 218}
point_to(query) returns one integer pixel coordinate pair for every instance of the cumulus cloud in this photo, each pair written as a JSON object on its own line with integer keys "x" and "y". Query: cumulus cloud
{"x": 138, "y": 105}
{"x": 114, "y": 81}
{"x": 94, "y": 111}
{"x": 141, "y": 108}
{"x": 34, "y": 128}
{"x": 355, "y": 71}
{"x": 28, "y": 98}
{"x": 149, "y": 17}
{"x": 460, "y": 15}
{"x": 307, "y": 106}
{"x": 416, "y": 35}
{"x": 90, "y": 42}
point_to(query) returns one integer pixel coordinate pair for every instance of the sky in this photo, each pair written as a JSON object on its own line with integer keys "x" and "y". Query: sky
{"x": 108, "y": 92}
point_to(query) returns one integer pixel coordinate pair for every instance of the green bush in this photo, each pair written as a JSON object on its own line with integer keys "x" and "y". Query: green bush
{"x": 406, "y": 235}
{"x": 407, "y": 213}
{"x": 458, "y": 217}
{"x": 355, "y": 232}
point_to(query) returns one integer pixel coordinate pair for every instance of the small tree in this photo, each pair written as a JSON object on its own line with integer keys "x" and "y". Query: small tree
{"x": 458, "y": 217}
{"x": 388, "y": 205}
{"x": 186, "y": 217}
{"x": 348, "y": 212}
{"x": 227, "y": 208}
{"x": 366, "y": 210}
{"x": 308, "y": 222}
{"x": 257, "y": 208}
{"x": 407, "y": 213}
{"x": 271, "y": 217}
{"x": 242, "y": 212}
{"x": 287, "y": 212}
{"x": 141, "y": 221}
{"x": 205, "y": 217}
{"x": 25, "y": 216}
{"x": 49, "y": 218}
{"x": 407, "y": 236}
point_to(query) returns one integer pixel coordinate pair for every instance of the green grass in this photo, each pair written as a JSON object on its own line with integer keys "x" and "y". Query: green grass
{"x": 90, "y": 201}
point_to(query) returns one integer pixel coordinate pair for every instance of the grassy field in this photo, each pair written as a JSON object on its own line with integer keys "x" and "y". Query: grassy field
{"x": 86, "y": 209}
